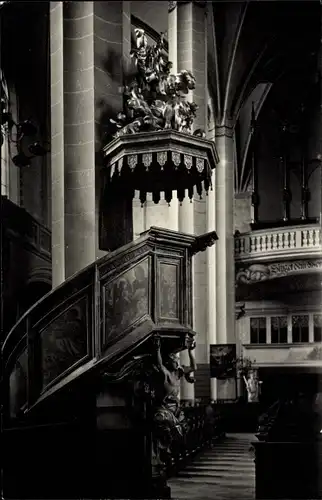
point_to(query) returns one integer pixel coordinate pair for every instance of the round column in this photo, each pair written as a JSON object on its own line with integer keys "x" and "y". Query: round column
{"x": 224, "y": 250}
{"x": 186, "y": 225}
{"x": 79, "y": 135}
{"x": 57, "y": 143}
{"x": 191, "y": 55}
{"x": 211, "y": 282}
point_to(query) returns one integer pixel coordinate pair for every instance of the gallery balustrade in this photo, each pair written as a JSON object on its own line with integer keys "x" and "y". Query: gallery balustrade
{"x": 264, "y": 244}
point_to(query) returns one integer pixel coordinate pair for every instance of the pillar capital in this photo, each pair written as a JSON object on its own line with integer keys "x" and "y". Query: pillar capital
{"x": 226, "y": 130}
{"x": 172, "y": 4}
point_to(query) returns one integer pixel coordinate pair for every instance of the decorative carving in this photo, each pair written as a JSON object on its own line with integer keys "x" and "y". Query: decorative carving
{"x": 200, "y": 164}
{"x": 171, "y": 5}
{"x": 187, "y": 159}
{"x": 155, "y": 98}
{"x": 147, "y": 160}
{"x": 315, "y": 354}
{"x": 254, "y": 273}
{"x": 132, "y": 161}
{"x": 162, "y": 159}
{"x": 261, "y": 272}
{"x": 203, "y": 242}
{"x": 176, "y": 159}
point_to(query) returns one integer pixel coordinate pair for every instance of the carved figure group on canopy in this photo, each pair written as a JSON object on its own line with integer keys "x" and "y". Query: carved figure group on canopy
{"x": 155, "y": 98}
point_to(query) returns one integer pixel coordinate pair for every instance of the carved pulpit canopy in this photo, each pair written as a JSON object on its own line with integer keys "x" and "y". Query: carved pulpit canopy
{"x": 164, "y": 161}
{"x": 154, "y": 149}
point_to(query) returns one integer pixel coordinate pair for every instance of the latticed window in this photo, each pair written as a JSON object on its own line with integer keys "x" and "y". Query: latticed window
{"x": 300, "y": 328}
{"x": 258, "y": 330}
{"x": 279, "y": 330}
{"x": 317, "y": 325}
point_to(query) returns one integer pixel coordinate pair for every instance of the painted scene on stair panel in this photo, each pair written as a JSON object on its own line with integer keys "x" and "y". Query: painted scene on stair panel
{"x": 64, "y": 341}
{"x": 126, "y": 300}
{"x": 18, "y": 385}
{"x": 169, "y": 291}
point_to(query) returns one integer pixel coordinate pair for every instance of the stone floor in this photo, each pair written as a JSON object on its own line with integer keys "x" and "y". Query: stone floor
{"x": 226, "y": 472}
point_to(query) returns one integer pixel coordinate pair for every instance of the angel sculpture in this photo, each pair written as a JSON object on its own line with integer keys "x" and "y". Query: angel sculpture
{"x": 155, "y": 98}
{"x": 252, "y": 386}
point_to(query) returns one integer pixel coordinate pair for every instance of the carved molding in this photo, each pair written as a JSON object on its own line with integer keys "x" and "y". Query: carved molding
{"x": 263, "y": 272}
{"x": 162, "y": 161}
{"x": 160, "y": 142}
{"x": 122, "y": 259}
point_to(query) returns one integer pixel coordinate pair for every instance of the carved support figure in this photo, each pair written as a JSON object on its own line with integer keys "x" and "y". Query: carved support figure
{"x": 253, "y": 386}
{"x": 168, "y": 418}
{"x": 154, "y": 381}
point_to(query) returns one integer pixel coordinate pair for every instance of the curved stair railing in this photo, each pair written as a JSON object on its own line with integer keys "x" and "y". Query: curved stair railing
{"x": 99, "y": 314}
{"x": 78, "y": 393}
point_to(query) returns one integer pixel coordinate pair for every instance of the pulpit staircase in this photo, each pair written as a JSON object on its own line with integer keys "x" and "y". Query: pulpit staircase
{"x": 72, "y": 426}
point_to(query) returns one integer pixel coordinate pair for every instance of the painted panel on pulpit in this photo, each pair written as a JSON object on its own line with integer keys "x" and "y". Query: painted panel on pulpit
{"x": 63, "y": 342}
{"x": 126, "y": 300}
{"x": 18, "y": 384}
{"x": 222, "y": 361}
{"x": 169, "y": 294}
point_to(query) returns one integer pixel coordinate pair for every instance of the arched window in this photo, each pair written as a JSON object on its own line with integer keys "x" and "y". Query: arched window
{"x": 10, "y": 174}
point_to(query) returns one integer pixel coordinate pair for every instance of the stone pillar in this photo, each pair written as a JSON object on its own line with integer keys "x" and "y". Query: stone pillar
{"x": 225, "y": 259}
{"x": 57, "y": 142}
{"x": 211, "y": 263}
{"x": 186, "y": 225}
{"x": 79, "y": 136}
{"x": 173, "y": 36}
{"x": 243, "y": 212}
{"x": 163, "y": 215}
{"x": 112, "y": 46}
{"x": 191, "y": 55}
{"x": 211, "y": 282}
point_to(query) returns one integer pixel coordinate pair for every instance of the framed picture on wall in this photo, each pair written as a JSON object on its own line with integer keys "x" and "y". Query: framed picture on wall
{"x": 222, "y": 361}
